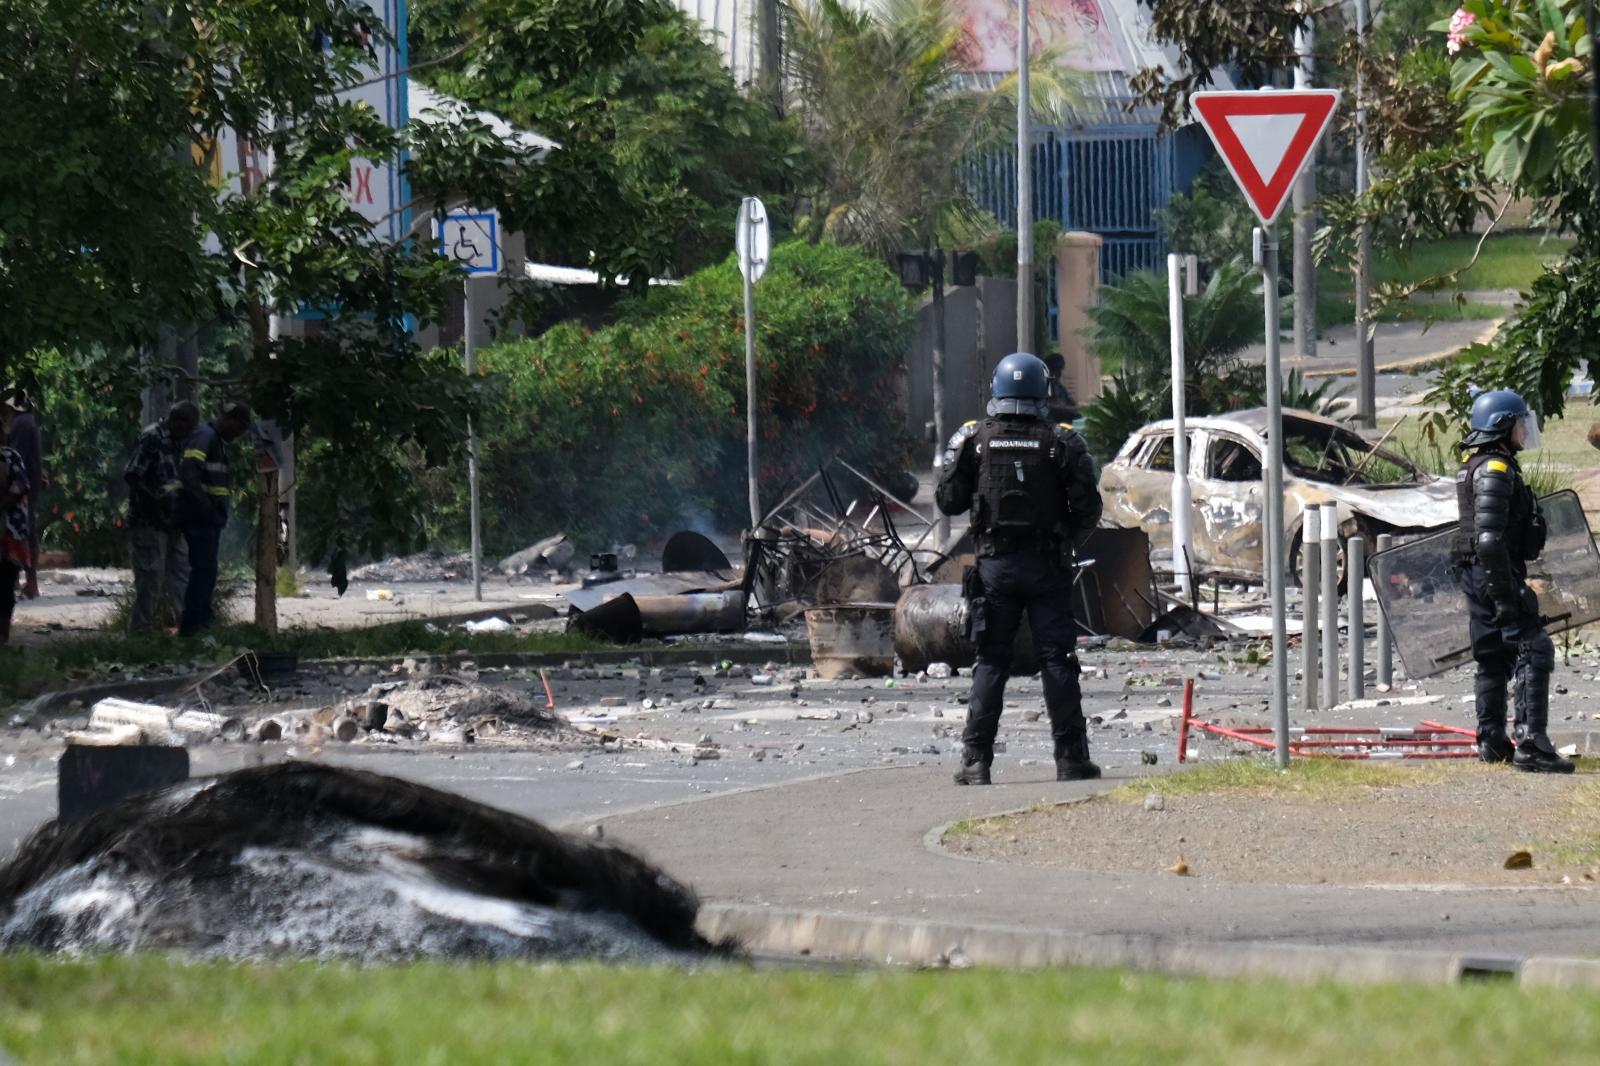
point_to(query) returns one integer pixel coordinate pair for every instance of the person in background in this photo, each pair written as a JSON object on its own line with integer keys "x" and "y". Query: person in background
{"x": 203, "y": 509}
{"x": 24, "y": 439}
{"x": 160, "y": 555}
{"x": 16, "y": 537}
{"x": 1063, "y": 410}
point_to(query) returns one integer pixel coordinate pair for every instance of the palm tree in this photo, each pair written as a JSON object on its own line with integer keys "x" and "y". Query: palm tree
{"x": 1131, "y": 330}
{"x": 890, "y": 114}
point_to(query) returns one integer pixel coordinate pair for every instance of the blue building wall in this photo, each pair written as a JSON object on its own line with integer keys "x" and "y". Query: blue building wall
{"x": 1106, "y": 179}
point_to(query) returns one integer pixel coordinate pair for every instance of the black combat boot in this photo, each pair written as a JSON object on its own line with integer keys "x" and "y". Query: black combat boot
{"x": 974, "y": 767}
{"x": 1493, "y": 744}
{"x": 1535, "y": 753}
{"x": 1072, "y": 759}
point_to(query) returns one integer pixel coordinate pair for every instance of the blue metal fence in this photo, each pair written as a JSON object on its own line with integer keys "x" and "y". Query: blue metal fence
{"x": 1107, "y": 179}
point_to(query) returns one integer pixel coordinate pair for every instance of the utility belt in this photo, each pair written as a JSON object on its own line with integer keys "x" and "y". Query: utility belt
{"x": 992, "y": 544}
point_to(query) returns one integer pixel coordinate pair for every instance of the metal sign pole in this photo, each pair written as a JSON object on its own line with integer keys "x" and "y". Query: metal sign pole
{"x": 750, "y": 364}
{"x": 1181, "y": 552}
{"x": 1025, "y": 338}
{"x": 470, "y": 360}
{"x": 1274, "y": 501}
{"x": 1366, "y": 378}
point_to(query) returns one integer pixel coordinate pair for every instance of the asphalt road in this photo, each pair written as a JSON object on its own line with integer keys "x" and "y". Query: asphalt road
{"x": 834, "y": 813}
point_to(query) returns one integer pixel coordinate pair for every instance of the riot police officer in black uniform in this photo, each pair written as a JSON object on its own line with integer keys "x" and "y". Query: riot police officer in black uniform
{"x": 1031, "y": 487}
{"x": 1500, "y": 531}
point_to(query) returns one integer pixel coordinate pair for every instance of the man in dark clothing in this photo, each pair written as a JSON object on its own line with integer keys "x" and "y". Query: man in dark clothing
{"x": 160, "y": 555}
{"x": 25, "y": 440}
{"x": 1500, "y": 531}
{"x": 1062, "y": 407}
{"x": 1032, "y": 490}
{"x": 203, "y": 509}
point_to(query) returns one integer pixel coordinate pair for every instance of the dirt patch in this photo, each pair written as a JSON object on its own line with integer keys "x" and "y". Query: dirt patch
{"x": 1455, "y": 825}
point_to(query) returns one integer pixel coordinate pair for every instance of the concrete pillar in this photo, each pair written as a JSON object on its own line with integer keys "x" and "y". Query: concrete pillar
{"x": 1077, "y": 290}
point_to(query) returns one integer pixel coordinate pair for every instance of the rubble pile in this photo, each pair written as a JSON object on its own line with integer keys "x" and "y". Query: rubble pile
{"x": 424, "y": 566}
{"x": 447, "y": 709}
{"x": 300, "y": 860}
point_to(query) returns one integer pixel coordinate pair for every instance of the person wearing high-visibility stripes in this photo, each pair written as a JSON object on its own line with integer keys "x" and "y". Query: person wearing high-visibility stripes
{"x": 160, "y": 556}
{"x": 203, "y": 509}
{"x": 1500, "y": 531}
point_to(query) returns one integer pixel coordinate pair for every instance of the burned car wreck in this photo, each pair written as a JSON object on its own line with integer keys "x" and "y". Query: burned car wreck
{"x": 1375, "y": 490}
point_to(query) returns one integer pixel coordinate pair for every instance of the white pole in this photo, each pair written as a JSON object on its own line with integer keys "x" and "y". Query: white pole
{"x": 1025, "y": 337}
{"x": 1305, "y": 201}
{"x": 470, "y": 360}
{"x": 1274, "y": 501}
{"x": 750, "y": 361}
{"x": 1181, "y": 549}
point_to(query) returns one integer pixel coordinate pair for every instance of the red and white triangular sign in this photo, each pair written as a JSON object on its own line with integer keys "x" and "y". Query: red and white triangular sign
{"x": 1266, "y": 138}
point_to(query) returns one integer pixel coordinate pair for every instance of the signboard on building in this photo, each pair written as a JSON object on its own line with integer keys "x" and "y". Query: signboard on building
{"x": 1082, "y": 30}
{"x": 376, "y": 187}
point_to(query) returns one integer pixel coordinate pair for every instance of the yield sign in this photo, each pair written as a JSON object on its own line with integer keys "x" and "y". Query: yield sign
{"x": 1266, "y": 138}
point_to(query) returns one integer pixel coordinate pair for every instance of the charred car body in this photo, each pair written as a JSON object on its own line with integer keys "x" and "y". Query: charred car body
{"x": 1374, "y": 490}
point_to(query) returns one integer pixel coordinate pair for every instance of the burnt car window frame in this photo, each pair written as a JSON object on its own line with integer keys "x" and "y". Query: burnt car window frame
{"x": 1219, "y": 436}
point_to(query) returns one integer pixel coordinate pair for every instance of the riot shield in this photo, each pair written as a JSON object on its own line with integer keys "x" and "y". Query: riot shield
{"x": 1427, "y": 613}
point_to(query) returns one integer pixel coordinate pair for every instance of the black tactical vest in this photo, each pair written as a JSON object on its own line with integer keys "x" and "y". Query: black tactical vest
{"x": 1524, "y": 536}
{"x": 1019, "y": 494}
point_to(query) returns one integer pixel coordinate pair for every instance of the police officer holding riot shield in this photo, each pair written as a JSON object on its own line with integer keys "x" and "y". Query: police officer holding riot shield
{"x": 1500, "y": 531}
{"x": 1031, "y": 487}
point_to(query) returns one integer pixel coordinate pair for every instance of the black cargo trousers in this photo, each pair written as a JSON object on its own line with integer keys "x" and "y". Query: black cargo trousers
{"x": 1037, "y": 581}
{"x": 1520, "y": 653}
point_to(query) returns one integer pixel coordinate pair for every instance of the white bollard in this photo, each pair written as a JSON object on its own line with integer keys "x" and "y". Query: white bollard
{"x": 1385, "y": 644}
{"x": 1355, "y": 585}
{"x": 1310, "y": 583}
{"x": 1330, "y": 605}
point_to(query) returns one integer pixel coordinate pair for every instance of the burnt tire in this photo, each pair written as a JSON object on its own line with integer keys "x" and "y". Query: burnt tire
{"x": 1297, "y": 561}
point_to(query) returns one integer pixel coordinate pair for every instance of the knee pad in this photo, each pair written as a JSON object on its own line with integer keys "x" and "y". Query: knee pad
{"x": 1539, "y": 653}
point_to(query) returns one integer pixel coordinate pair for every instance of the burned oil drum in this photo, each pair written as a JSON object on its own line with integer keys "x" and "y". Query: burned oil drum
{"x": 930, "y": 627}
{"x": 852, "y": 639}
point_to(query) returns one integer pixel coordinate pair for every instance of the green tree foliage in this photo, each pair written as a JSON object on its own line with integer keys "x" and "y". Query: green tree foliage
{"x": 90, "y": 416}
{"x": 1212, "y": 220}
{"x": 1252, "y": 38}
{"x": 658, "y": 145}
{"x": 639, "y": 427}
{"x": 1521, "y": 77}
{"x": 890, "y": 116}
{"x": 113, "y": 224}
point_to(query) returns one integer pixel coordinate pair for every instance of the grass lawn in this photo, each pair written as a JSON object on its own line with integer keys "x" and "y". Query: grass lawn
{"x": 1509, "y": 261}
{"x": 149, "y": 1011}
{"x": 25, "y": 672}
{"x": 1339, "y": 309}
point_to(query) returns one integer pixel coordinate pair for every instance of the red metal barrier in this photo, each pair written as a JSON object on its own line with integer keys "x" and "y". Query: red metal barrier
{"x": 1428, "y": 740}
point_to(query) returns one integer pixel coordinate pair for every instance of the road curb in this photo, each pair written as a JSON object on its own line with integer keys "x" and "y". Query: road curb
{"x": 875, "y": 940}
{"x": 914, "y": 942}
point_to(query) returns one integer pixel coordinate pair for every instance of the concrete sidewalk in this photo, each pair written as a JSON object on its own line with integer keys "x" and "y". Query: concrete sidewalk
{"x": 865, "y": 844}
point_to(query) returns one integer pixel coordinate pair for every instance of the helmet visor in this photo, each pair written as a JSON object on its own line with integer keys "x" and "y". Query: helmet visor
{"x": 1525, "y": 433}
